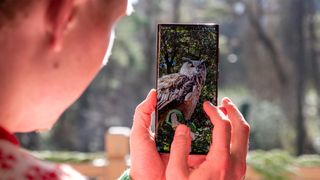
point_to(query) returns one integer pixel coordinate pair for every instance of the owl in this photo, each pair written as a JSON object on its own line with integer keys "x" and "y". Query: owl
{"x": 181, "y": 91}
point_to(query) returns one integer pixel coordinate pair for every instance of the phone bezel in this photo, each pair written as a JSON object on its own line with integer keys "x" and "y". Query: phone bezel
{"x": 157, "y": 70}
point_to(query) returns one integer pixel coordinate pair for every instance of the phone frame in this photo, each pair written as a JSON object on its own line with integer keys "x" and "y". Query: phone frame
{"x": 157, "y": 71}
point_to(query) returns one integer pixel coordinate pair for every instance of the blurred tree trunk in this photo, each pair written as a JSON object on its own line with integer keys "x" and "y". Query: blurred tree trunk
{"x": 287, "y": 59}
{"x": 152, "y": 11}
{"x": 176, "y": 10}
{"x": 266, "y": 40}
{"x": 295, "y": 50}
{"x": 297, "y": 12}
{"x": 313, "y": 54}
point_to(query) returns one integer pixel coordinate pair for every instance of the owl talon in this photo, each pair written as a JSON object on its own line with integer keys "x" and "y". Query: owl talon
{"x": 192, "y": 135}
{"x": 174, "y": 121}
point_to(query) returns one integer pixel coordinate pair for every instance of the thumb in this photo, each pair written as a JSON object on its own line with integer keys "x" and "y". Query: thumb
{"x": 180, "y": 148}
{"x": 142, "y": 115}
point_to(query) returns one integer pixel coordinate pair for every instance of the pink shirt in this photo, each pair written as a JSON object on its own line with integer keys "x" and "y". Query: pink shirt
{"x": 18, "y": 164}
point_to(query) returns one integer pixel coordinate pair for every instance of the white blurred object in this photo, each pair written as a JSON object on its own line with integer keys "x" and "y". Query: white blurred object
{"x": 119, "y": 130}
{"x": 99, "y": 162}
{"x": 316, "y": 144}
{"x": 130, "y": 4}
{"x": 239, "y": 8}
{"x": 232, "y": 58}
{"x": 108, "y": 53}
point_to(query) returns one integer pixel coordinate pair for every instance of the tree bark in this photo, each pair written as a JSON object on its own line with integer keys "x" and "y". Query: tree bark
{"x": 292, "y": 82}
{"x": 152, "y": 11}
{"x": 268, "y": 44}
{"x": 298, "y": 55}
{"x": 176, "y": 10}
{"x": 314, "y": 59}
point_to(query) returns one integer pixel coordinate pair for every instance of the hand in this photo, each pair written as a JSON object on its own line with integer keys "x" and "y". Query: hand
{"x": 226, "y": 159}
{"x": 146, "y": 162}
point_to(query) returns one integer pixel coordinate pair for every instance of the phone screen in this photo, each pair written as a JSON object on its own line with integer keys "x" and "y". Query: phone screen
{"x": 187, "y": 74}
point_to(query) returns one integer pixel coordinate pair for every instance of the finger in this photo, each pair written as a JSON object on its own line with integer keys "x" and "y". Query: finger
{"x": 221, "y": 133}
{"x": 223, "y": 109}
{"x": 142, "y": 115}
{"x": 195, "y": 161}
{"x": 165, "y": 158}
{"x": 141, "y": 143}
{"x": 240, "y": 131}
{"x": 180, "y": 148}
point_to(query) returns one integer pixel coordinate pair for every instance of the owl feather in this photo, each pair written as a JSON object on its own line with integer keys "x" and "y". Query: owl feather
{"x": 181, "y": 90}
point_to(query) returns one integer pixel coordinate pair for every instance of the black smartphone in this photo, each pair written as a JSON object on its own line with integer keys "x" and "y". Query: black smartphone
{"x": 187, "y": 75}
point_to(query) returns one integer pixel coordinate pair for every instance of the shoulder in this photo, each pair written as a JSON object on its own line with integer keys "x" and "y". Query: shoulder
{"x": 17, "y": 163}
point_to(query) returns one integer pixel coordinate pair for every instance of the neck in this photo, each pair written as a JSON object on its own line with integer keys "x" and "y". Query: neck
{"x": 10, "y": 113}
{"x": 15, "y": 104}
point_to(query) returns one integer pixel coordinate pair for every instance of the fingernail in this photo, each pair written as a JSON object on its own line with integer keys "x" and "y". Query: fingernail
{"x": 228, "y": 100}
{"x": 224, "y": 110}
{"x": 150, "y": 92}
{"x": 182, "y": 130}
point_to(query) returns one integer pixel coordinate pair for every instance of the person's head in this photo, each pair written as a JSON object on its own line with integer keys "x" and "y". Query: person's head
{"x": 50, "y": 50}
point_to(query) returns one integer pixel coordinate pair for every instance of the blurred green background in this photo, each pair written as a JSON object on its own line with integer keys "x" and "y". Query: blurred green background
{"x": 269, "y": 66}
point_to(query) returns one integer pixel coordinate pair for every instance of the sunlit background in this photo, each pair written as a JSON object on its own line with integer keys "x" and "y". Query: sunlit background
{"x": 269, "y": 66}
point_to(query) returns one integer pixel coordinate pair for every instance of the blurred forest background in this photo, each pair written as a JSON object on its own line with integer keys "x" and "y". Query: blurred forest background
{"x": 269, "y": 66}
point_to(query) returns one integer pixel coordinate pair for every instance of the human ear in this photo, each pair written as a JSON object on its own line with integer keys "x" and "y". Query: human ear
{"x": 59, "y": 14}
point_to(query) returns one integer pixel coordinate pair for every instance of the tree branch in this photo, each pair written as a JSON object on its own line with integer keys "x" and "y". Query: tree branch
{"x": 269, "y": 45}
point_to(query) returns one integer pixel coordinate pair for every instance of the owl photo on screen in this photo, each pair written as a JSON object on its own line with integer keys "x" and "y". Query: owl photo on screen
{"x": 187, "y": 76}
{"x": 178, "y": 93}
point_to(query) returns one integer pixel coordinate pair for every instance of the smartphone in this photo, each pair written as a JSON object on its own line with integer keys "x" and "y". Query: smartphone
{"x": 187, "y": 75}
